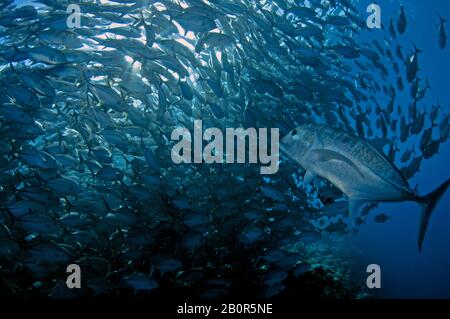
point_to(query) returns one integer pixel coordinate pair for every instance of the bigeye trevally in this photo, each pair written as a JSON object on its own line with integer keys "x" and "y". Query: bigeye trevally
{"x": 357, "y": 168}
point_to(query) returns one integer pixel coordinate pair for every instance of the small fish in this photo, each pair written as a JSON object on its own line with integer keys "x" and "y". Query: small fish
{"x": 412, "y": 65}
{"x": 166, "y": 264}
{"x": 346, "y": 51}
{"x": 401, "y": 22}
{"x": 301, "y": 269}
{"x": 400, "y": 84}
{"x": 16, "y": 114}
{"x": 46, "y": 55}
{"x": 195, "y": 22}
{"x": 140, "y": 282}
{"x": 406, "y": 155}
{"x": 272, "y": 193}
{"x": 399, "y": 53}
{"x": 64, "y": 185}
{"x": 442, "y": 35}
{"x": 338, "y": 226}
{"x": 273, "y": 290}
{"x": 275, "y": 277}
{"x": 381, "y": 218}
{"x": 392, "y": 29}
{"x": 431, "y": 149}
{"x": 252, "y": 234}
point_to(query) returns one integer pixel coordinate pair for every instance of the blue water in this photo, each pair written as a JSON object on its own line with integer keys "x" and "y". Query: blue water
{"x": 406, "y": 272}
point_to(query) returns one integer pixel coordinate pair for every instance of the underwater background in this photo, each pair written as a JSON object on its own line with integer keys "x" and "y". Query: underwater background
{"x": 85, "y": 135}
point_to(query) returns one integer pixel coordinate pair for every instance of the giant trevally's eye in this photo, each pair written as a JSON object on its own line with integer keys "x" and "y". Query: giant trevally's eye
{"x": 294, "y": 132}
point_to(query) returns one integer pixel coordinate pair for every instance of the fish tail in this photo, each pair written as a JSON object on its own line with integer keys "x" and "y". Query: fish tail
{"x": 429, "y": 202}
{"x": 442, "y": 20}
{"x": 16, "y": 49}
{"x": 416, "y": 49}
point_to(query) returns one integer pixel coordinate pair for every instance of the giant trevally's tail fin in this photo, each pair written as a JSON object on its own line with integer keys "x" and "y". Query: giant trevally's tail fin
{"x": 429, "y": 202}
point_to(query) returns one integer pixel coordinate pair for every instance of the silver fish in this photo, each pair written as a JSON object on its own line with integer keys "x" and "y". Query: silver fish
{"x": 355, "y": 167}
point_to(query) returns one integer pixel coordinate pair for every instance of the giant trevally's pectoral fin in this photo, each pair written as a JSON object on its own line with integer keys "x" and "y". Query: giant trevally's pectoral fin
{"x": 309, "y": 177}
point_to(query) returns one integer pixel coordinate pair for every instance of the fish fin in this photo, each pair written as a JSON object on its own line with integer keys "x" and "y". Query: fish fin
{"x": 429, "y": 202}
{"x": 308, "y": 178}
{"x": 355, "y": 207}
{"x": 441, "y": 19}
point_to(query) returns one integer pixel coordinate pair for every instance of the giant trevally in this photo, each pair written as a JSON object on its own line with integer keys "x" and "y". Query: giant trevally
{"x": 355, "y": 167}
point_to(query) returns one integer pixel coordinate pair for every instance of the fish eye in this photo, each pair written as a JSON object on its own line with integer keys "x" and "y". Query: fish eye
{"x": 294, "y": 132}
